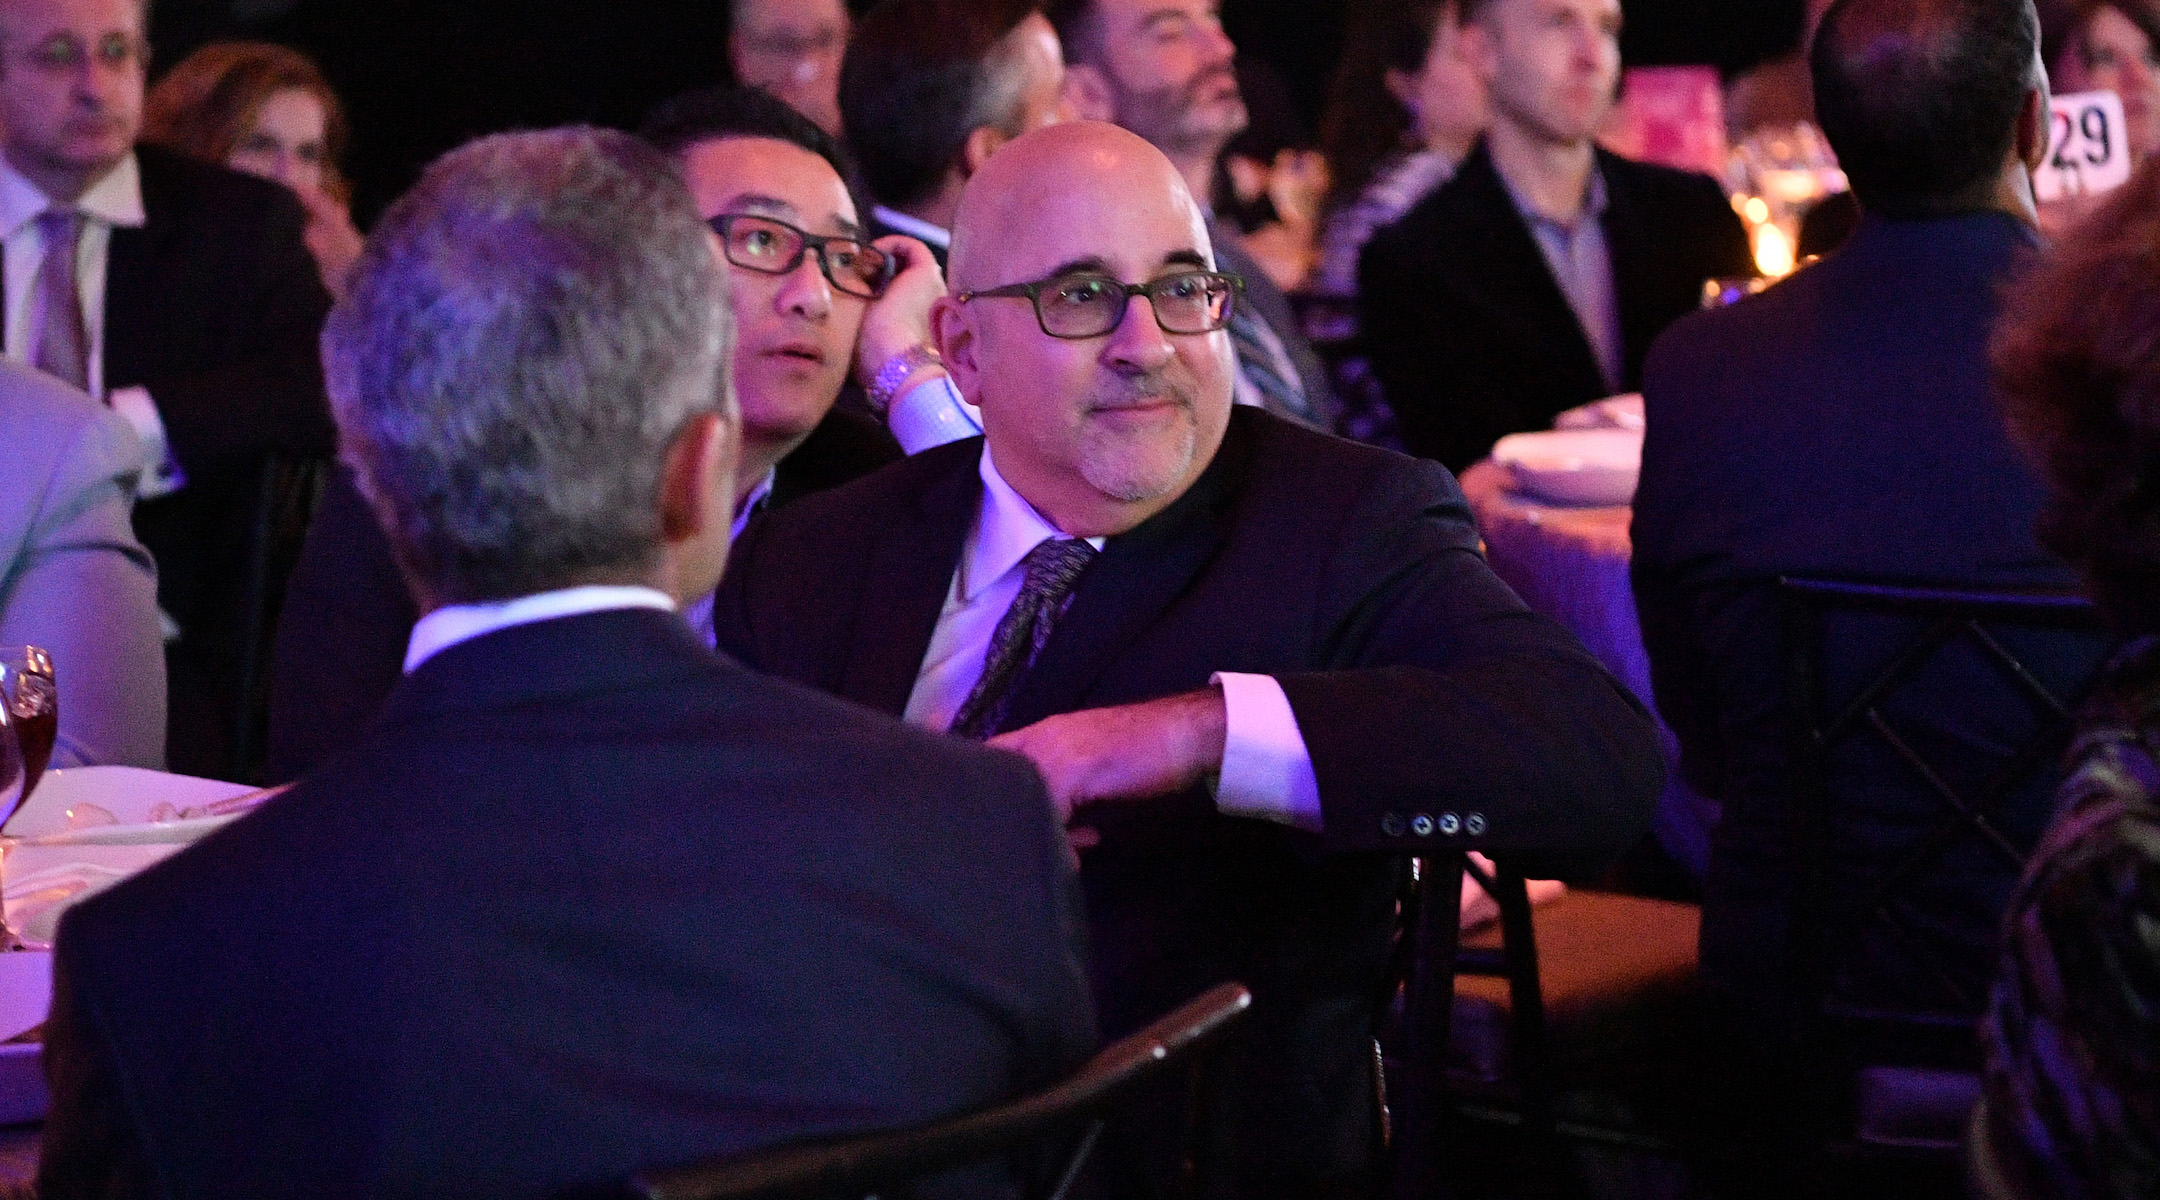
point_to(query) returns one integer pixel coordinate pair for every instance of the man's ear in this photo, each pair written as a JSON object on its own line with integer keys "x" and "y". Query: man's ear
{"x": 2035, "y": 122}
{"x": 1088, "y": 94}
{"x": 955, "y": 340}
{"x": 982, "y": 142}
{"x": 1480, "y": 51}
{"x": 697, "y": 502}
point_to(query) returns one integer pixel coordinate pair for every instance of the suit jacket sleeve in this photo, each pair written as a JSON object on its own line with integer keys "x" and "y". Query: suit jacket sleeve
{"x": 91, "y": 1148}
{"x": 1448, "y": 696}
{"x": 85, "y": 590}
{"x": 267, "y": 398}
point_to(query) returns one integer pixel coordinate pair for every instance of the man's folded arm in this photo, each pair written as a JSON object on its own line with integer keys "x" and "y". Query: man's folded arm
{"x": 1458, "y": 719}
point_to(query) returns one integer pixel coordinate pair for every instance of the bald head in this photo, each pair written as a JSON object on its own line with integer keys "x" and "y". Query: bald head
{"x": 1006, "y": 205}
{"x": 1923, "y": 99}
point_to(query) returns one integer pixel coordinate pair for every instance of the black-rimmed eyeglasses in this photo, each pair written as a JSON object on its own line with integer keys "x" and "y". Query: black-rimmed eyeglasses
{"x": 771, "y": 247}
{"x": 1086, "y": 306}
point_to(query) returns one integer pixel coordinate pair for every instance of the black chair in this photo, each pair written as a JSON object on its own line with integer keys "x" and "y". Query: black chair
{"x": 285, "y": 505}
{"x": 1929, "y": 728}
{"x": 877, "y": 1163}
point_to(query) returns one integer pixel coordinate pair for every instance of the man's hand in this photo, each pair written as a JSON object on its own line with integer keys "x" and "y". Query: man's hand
{"x": 1130, "y": 752}
{"x": 901, "y": 317}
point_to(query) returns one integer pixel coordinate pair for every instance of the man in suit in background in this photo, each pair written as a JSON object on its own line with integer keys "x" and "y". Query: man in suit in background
{"x": 590, "y": 900}
{"x": 930, "y": 89}
{"x": 73, "y": 579}
{"x": 179, "y": 292}
{"x": 1164, "y": 69}
{"x": 1257, "y": 663}
{"x": 341, "y": 639}
{"x": 1842, "y": 424}
{"x": 1536, "y": 279}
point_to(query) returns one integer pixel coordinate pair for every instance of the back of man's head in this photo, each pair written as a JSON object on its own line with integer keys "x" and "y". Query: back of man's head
{"x": 1921, "y": 98}
{"x": 526, "y": 334}
{"x": 919, "y": 77}
{"x": 724, "y": 112}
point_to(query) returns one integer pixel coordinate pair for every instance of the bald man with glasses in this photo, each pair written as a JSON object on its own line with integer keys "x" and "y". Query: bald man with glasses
{"x": 1256, "y": 664}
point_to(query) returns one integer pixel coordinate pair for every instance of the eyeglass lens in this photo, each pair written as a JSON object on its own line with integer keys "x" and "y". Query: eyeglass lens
{"x": 775, "y": 248}
{"x": 1090, "y": 305}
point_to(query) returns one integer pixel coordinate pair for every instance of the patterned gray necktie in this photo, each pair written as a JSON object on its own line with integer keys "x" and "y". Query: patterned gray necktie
{"x": 1053, "y": 567}
{"x": 63, "y": 347}
{"x": 1284, "y": 395}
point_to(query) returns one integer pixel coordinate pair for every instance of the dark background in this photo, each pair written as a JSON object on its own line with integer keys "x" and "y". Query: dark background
{"x": 420, "y": 76}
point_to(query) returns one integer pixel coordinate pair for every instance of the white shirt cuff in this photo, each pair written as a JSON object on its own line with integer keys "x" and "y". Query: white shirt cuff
{"x": 1267, "y": 774}
{"x": 161, "y": 472}
{"x": 931, "y": 414}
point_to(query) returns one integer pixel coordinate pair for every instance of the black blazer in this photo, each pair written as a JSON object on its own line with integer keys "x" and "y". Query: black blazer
{"x": 1440, "y": 714}
{"x": 589, "y": 899}
{"x": 1841, "y": 423}
{"x": 1471, "y": 336}
{"x": 342, "y": 634}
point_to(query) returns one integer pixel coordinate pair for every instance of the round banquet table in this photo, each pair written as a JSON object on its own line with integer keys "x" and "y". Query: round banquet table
{"x": 1571, "y": 564}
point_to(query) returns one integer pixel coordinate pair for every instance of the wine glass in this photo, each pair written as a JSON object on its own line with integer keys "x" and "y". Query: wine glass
{"x": 30, "y": 710}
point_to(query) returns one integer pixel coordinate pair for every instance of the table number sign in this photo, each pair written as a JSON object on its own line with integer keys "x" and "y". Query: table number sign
{"x": 2087, "y": 151}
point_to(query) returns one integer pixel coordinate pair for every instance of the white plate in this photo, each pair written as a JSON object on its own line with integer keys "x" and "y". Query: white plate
{"x": 128, "y": 793}
{"x": 1574, "y": 466}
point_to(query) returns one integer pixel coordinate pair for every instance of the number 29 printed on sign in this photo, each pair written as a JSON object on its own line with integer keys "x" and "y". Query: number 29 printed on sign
{"x": 2087, "y": 151}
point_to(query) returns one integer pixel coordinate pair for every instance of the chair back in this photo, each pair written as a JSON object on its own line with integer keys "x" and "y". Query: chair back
{"x": 882, "y": 1162}
{"x": 1929, "y": 730}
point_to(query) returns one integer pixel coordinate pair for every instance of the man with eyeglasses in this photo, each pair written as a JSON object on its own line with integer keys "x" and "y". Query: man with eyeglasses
{"x": 1256, "y": 664}
{"x": 181, "y": 294}
{"x": 811, "y": 300}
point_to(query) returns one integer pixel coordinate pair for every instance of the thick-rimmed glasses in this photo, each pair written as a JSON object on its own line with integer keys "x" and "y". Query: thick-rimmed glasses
{"x": 1086, "y": 306}
{"x": 772, "y": 247}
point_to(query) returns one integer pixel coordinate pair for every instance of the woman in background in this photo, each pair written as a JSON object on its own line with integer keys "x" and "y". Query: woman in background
{"x": 1404, "y": 110}
{"x": 268, "y": 111}
{"x": 2071, "y": 1106}
{"x": 2113, "y": 46}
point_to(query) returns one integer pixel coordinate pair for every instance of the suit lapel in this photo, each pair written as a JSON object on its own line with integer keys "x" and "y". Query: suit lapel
{"x": 1497, "y": 258}
{"x": 131, "y": 279}
{"x": 1138, "y": 578}
{"x": 1635, "y": 276}
{"x": 909, "y": 573}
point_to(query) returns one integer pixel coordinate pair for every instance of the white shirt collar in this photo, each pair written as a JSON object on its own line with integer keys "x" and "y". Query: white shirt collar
{"x": 914, "y": 227}
{"x": 1007, "y": 527}
{"x": 451, "y": 624}
{"x": 115, "y": 199}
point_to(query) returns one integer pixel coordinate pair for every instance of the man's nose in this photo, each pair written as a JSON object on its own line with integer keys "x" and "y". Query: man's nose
{"x": 806, "y": 292}
{"x": 1138, "y": 342}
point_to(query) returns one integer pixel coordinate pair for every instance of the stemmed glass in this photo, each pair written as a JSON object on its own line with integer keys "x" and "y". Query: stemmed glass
{"x": 29, "y": 722}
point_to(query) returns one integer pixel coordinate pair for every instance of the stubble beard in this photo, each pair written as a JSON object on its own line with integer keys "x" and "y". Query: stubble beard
{"x": 1133, "y": 467}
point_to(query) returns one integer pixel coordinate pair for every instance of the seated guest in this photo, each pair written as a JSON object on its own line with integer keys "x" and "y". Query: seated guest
{"x": 930, "y": 89}
{"x": 73, "y": 579}
{"x": 2113, "y": 46}
{"x": 590, "y": 899}
{"x": 1257, "y": 664}
{"x": 1404, "y": 111}
{"x": 1165, "y": 70}
{"x": 792, "y": 48}
{"x": 803, "y": 320}
{"x": 2072, "y": 1104}
{"x": 268, "y": 111}
{"x": 1536, "y": 279}
{"x": 181, "y": 293}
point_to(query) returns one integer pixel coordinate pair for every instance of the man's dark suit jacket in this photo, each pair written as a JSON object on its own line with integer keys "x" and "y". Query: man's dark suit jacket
{"x": 341, "y": 637}
{"x": 1441, "y": 715}
{"x": 1471, "y": 336}
{"x": 214, "y": 305}
{"x": 589, "y": 899}
{"x": 1840, "y": 424}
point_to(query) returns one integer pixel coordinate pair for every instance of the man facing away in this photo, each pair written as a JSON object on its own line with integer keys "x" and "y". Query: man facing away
{"x": 1164, "y": 70}
{"x": 588, "y": 899}
{"x": 774, "y": 180}
{"x": 1257, "y": 663}
{"x": 1536, "y": 279}
{"x": 931, "y": 88}
{"x": 180, "y": 293}
{"x": 1842, "y": 424}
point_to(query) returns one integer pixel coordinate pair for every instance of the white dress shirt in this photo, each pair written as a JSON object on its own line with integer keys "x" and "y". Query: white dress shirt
{"x": 454, "y": 623}
{"x": 1266, "y": 771}
{"x": 115, "y": 200}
